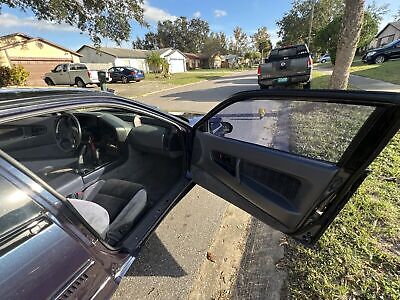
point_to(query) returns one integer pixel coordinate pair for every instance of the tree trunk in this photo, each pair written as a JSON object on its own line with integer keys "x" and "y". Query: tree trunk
{"x": 347, "y": 45}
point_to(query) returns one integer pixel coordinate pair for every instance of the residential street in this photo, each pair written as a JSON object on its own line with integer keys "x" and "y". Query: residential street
{"x": 202, "y": 96}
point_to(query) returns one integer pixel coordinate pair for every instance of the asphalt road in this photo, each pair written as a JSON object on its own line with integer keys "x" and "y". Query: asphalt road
{"x": 170, "y": 260}
{"x": 202, "y": 96}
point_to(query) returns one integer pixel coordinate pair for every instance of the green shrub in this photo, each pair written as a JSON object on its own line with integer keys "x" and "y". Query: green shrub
{"x": 18, "y": 75}
{"x": 5, "y": 76}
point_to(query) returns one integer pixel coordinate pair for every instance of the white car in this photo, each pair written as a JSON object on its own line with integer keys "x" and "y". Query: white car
{"x": 324, "y": 58}
{"x": 73, "y": 74}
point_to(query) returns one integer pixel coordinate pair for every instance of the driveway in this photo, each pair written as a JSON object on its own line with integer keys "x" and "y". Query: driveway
{"x": 172, "y": 258}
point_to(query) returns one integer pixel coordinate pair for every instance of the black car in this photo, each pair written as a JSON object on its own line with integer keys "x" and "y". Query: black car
{"x": 125, "y": 74}
{"x": 86, "y": 177}
{"x": 380, "y": 55}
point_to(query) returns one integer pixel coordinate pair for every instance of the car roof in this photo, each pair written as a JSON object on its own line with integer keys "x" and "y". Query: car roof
{"x": 23, "y": 100}
{"x": 26, "y": 97}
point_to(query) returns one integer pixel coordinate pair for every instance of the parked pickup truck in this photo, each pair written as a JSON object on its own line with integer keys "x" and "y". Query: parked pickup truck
{"x": 286, "y": 66}
{"x": 73, "y": 74}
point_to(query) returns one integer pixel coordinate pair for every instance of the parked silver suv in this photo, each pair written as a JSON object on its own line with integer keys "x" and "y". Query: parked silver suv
{"x": 72, "y": 74}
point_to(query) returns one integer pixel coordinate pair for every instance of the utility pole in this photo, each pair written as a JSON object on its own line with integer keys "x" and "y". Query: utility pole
{"x": 311, "y": 23}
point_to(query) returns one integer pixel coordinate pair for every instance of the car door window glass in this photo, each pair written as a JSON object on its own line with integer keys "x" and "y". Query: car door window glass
{"x": 16, "y": 207}
{"x": 315, "y": 130}
{"x": 65, "y": 68}
{"x": 58, "y": 68}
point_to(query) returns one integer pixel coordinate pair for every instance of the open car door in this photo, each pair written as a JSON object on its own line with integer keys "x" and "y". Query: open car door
{"x": 292, "y": 158}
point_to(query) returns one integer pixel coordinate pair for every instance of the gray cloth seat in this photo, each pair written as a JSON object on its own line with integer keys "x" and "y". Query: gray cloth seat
{"x": 124, "y": 201}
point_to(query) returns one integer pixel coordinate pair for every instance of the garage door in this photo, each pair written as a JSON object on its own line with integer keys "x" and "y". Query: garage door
{"x": 176, "y": 65}
{"x": 37, "y": 68}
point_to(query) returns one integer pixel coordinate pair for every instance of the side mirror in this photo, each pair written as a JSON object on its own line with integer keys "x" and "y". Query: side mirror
{"x": 220, "y": 128}
{"x": 226, "y": 127}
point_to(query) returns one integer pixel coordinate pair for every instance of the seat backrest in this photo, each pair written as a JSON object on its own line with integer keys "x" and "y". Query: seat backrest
{"x": 95, "y": 215}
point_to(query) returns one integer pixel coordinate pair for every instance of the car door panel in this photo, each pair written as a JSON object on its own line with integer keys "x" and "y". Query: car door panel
{"x": 258, "y": 173}
{"x": 294, "y": 192}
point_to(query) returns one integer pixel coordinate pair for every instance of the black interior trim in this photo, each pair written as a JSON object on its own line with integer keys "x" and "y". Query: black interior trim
{"x": 307, "y": 178}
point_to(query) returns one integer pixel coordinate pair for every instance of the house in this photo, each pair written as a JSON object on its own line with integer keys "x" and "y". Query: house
{"x": 196, "y": 61}
{"x": 37, "y": 55}
{"x": 193, "y": 61}
{"x": 216, "y": 61}
{"x": 106, "y": 57}
{"x": 175, "y": 58}
{"x": 231, "y": 61}
{"x": 389, "y": 33}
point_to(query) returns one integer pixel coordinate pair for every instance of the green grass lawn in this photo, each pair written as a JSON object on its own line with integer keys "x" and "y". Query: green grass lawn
{"x": 320, "y": 80}
{"x": 359, "y": 255}
{"x": 190, "y": 77}
{"x": 326, "y": 65}
{"x": 388, "y": 71}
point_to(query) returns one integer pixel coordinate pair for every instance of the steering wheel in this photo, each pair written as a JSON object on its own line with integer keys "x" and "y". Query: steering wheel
{"x": 68, "y": 132}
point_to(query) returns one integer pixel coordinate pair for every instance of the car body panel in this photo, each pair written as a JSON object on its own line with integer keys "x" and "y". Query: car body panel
{"x": 50, "y": 256}
{"x": 390, "y": 51}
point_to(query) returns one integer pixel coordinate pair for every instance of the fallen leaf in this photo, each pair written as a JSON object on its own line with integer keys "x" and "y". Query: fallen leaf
{"x": 210, "y": 257}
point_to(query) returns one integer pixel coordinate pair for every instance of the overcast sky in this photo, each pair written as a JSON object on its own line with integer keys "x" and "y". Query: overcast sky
{"x": 222, "y": 15}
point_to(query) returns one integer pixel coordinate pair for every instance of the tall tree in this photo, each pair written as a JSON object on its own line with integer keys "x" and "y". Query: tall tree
{"x": 376, "y": 11}
{"x": 149, "y": 42}
{"x": 240, "y": 42}
{"x": 197, "y": 34}
{"x": 294, "y": 26}
{"x": 166, "y": 34}
{"x": 101, "y": 18}
{"x": 262, "y": 41}
{"x": 396, "y": 16}
{"x": 328, "y": 37}
{"x": 183, "y": 34}
{"x": 215, "y": 43}
{"x": 348, "y": 39}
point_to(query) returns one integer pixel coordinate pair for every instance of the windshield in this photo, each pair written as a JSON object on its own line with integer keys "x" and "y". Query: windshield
{"x": 391, "y": 44}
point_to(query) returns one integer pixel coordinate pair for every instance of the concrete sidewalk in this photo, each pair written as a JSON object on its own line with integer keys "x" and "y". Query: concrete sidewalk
{"x": 365, "y": 83}
{"x": 369, "y": 84}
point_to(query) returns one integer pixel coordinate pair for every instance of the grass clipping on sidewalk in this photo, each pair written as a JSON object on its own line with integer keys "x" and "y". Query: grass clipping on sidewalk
{"x": 359, "y": 255}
